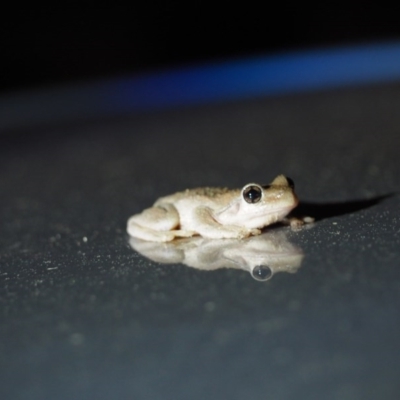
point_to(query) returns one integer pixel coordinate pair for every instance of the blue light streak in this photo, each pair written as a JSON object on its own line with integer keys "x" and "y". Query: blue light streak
{"x": 229, "y": 81}
{"x": 262, "y": 76}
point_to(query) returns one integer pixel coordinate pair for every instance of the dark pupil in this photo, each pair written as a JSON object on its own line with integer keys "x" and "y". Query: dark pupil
{"x": 252, "y": 194}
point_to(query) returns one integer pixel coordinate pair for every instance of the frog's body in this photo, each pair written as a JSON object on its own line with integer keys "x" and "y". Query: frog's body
{"x": 215, "y": 212}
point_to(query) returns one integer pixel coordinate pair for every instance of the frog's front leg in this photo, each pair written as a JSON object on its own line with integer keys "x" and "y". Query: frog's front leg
{"x": 208, "y": 227}
{"x": 157, "y": 224}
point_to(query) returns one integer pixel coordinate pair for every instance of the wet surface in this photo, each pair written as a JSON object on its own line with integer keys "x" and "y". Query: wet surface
{"x": 83, "y": 315}
{"x": 262, "y": 256}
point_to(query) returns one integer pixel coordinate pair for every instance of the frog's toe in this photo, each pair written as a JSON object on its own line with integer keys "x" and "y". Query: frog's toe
{"x": 183, "y": 233}
{"x": 164, "y": 237}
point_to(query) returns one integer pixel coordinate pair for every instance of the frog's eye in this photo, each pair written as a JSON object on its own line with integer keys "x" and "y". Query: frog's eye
{"x": 252, "y": 194}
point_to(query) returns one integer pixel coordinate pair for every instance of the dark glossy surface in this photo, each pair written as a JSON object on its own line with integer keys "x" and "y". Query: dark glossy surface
{"x": 83, "y": 316}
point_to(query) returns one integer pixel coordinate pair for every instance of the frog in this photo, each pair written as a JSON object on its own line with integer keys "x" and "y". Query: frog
{"x": 216, "y": 212}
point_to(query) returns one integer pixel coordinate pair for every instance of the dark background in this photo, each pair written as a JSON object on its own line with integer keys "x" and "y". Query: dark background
{"x": 83, "y": 316}
{"x": 64, "y": 43}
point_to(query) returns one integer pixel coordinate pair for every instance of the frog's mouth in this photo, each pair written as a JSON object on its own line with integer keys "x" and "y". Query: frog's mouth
{"x": 256, "y": 215}
{"x": 255, "y": 219}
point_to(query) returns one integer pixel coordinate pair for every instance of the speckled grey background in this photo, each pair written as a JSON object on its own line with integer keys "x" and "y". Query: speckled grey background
{"x": 83, "y": 316}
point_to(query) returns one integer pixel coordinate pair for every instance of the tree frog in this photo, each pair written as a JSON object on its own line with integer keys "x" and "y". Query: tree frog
{"x": 215, "y": 213}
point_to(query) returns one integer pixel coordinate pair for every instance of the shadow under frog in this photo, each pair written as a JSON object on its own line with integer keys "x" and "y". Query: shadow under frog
{"x": 320, "y": 211}
{"x": 263, "y": 256}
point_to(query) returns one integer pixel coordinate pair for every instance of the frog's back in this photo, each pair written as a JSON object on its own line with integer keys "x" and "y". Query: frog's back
{"x": 202, "y": 194}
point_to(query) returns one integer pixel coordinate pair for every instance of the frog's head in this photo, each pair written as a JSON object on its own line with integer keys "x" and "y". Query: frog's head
{"x": 260, "y": 205}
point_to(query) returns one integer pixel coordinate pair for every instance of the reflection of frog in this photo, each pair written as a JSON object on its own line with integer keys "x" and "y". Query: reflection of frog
{"x": 215, "y": 213}
{"x": 262, "y": 256}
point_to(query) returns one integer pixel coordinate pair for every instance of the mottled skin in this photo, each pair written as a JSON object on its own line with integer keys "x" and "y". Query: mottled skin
{"x": 215, "y": 213}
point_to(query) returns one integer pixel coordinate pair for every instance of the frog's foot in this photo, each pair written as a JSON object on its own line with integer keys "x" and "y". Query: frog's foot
{"x": 296, "y": 222}
{"x": 183, "y": 234}
{"x": 164, "y": 217}
{"x": 227, "y": 232}
{"x": 209, "y": 228}
{"x": 233, "y": 232}
{"x": 141, "y": 232}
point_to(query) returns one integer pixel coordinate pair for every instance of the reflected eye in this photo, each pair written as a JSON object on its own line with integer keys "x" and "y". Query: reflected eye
{"x": 262, "y": 273}
{"x": 252, "y": 194}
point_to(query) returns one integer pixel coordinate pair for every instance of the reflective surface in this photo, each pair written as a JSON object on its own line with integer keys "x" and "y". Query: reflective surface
{"x": 262, "y": 256}
{"x": 83, "y": 315}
